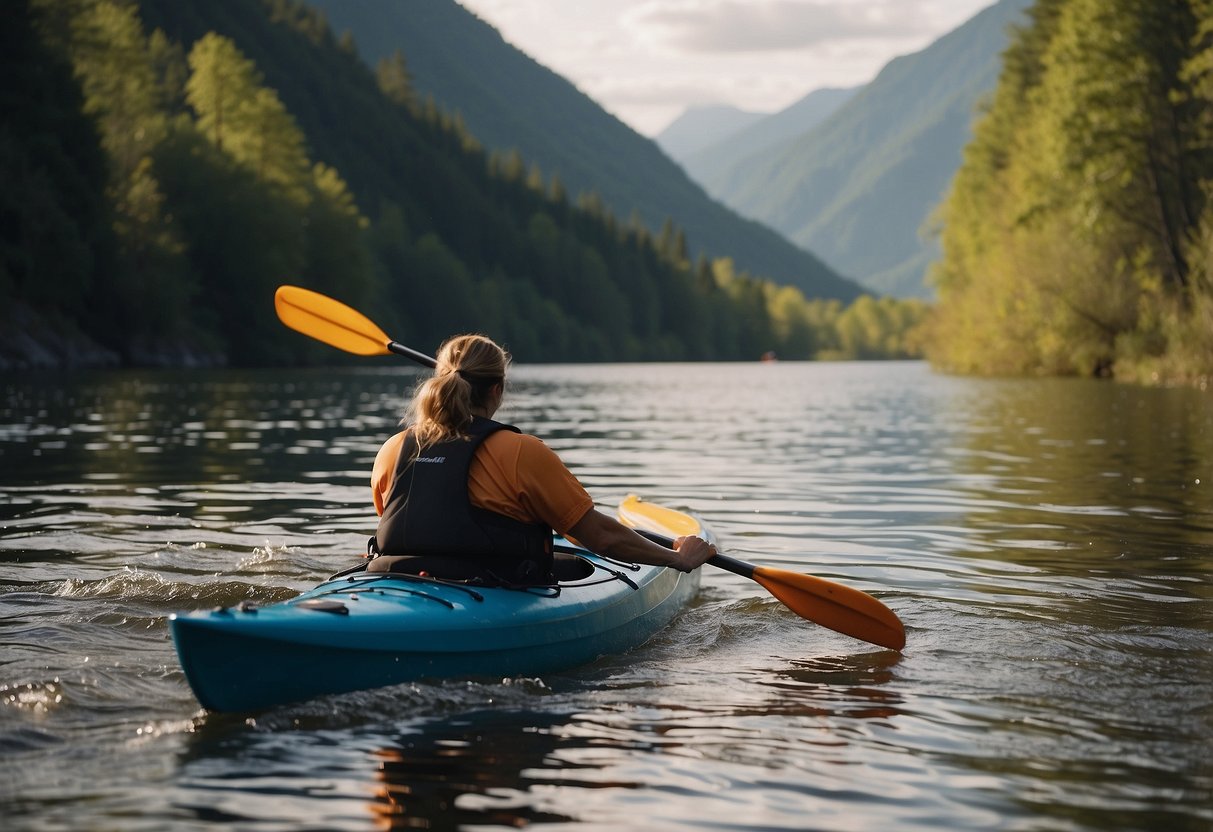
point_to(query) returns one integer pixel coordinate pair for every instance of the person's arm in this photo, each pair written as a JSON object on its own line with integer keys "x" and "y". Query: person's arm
{"x": 604, "y": 535}
{"x": 384, "y": 471}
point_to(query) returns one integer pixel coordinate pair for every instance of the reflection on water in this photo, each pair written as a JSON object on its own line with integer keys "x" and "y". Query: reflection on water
{"x": 600, "y": 765}
{"x": 856, "y": 683}
{"x": 1111, "y": 454}
{"x": 1046, "y": 542}
{"x": 477, "y": 768}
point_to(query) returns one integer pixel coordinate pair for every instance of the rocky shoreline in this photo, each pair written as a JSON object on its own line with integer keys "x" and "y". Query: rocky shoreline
{"x": 33, "y": 340}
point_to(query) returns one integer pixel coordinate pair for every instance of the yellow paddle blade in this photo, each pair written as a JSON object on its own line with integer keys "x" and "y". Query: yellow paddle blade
{"x": 330, "y": 321}
{"x": 638, "y": 514}
{"x": 842, "y": 609}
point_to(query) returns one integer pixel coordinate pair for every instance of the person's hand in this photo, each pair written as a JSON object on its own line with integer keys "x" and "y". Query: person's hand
{"x": 693, "y": 552}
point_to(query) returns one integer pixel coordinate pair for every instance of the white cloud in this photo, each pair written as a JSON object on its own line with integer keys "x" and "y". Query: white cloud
{"x": 724, "y": 26}
{"x": 648, "y": 60}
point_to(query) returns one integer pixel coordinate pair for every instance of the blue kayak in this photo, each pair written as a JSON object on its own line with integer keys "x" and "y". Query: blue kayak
{"x": 366, "y": 630}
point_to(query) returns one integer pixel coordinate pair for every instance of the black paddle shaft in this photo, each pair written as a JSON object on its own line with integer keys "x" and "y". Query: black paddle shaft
{"x": 737, "y": 567}
{"x": 408, "y": 352}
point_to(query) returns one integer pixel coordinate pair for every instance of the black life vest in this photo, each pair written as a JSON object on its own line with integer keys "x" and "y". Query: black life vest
{"x": 428, "y": 512}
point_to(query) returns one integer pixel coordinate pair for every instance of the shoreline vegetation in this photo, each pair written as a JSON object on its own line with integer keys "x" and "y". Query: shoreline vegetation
{"x": 1078, "y": 233}
{"x": 32, "y": 341}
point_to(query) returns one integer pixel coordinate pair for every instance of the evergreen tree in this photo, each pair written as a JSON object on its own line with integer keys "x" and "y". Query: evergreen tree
{"x": 337, "y": 257}
{"x": 124, "y": 92}
{"x": 55, "y": 236}
{"x": 395, "y": 80}
{"x": 556, "y": 191}
{"x": 245, "y": 119}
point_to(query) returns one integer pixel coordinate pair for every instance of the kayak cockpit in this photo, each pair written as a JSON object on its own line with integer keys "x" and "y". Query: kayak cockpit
{"x": 566, "y": 567}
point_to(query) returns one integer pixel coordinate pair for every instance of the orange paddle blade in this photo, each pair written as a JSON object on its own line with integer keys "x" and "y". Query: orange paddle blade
{"x": 836, "y": 606}
{"x": 330, "y": 321}
{"x": 833, "y": 605}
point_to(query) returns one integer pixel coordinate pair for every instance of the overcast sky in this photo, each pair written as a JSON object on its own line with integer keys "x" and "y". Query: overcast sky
{"x": 646, "y": 61}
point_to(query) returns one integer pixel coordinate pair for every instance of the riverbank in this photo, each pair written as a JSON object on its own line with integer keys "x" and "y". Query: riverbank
{"x": 31, "y": 339}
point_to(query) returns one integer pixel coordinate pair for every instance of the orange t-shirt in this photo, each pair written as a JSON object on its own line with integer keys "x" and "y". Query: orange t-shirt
{"x": 512, "y": 474}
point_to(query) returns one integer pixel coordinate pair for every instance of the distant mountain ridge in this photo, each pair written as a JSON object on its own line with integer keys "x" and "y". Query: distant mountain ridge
{"x": 507, "y": 100}
{"x": 699, "y": 128}
{"x": 766, "y": 133}
{"x": 858, "y": 188}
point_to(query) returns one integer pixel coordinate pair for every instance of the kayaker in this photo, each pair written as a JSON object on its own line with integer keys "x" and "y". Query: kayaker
{"x": 457, "y": 485}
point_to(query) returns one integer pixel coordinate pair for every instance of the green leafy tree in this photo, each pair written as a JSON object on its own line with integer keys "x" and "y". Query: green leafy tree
{"x": 1068, "y": 232}
{"x": 791, "y": 323}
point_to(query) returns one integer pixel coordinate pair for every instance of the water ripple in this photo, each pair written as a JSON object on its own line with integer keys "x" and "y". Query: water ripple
{"x": 1046, "y": 543}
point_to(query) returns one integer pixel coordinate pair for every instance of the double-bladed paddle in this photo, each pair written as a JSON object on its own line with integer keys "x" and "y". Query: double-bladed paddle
{"x": 840, "y": 608}
{"x": 338, "y": 325}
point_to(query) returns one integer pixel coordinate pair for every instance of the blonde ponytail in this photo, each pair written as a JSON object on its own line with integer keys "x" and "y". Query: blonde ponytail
{"x": 469, "y": 366}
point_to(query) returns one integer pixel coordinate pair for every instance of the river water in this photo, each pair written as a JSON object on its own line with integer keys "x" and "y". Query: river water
{"x": 1048, "y": 544}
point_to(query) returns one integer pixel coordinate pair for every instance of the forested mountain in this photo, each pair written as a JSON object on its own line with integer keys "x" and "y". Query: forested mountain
{"x": 1078, "y": 233}
{"x": 508, "y": 101}
{"x": 858, "y": 189}
{"x": 702, "y": 127}
{"x": 167, "y": 164}
{"x": 55, "y": 236}
{"x": 762, "y": 135}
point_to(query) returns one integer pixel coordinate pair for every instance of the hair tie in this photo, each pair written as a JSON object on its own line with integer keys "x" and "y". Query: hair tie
{"x": 480, "y": 380}
{"x": 472, "y": 378}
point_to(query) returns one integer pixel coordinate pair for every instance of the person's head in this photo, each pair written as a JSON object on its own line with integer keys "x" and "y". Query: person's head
{"x": 469, "y": 379}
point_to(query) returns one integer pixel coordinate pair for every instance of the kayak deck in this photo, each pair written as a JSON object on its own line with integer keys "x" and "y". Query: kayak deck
{"x": 362, "y": 631}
